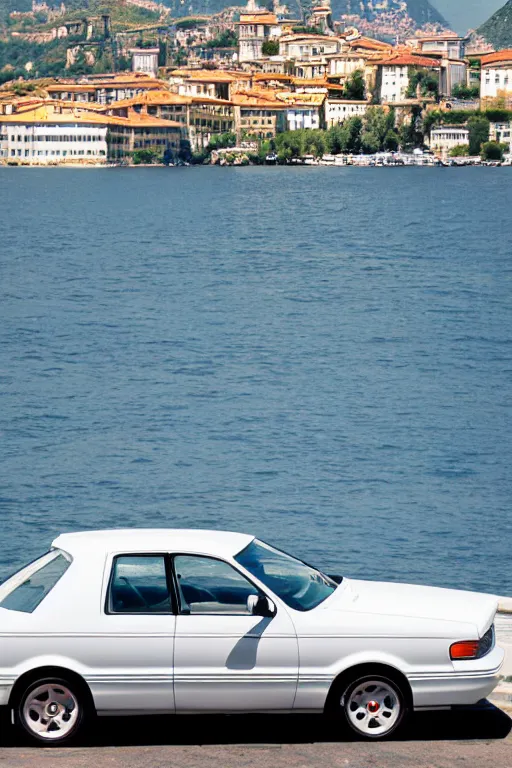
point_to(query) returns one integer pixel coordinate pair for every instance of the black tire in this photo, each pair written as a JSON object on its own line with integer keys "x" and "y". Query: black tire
{"x": 59, "y": 728}
{"x": 393, "y": 706}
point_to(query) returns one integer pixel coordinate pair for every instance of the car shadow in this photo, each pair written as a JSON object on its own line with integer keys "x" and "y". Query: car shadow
{"x": 483, "y": 721}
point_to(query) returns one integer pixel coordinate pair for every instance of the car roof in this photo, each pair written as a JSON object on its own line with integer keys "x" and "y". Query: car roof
{"x": 217, "y": 543}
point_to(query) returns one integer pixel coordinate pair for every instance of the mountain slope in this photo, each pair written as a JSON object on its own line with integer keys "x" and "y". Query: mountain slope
{"x": 420, "y": 11}
{"x": 498, "y": 29}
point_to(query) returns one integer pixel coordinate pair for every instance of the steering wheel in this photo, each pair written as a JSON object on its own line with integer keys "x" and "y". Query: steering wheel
{"x": 194, "y": 594}
{"x": 135, "y": 591}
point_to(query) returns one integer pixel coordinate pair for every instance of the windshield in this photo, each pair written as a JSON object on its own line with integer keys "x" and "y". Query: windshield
{"x": 299, "y": 585}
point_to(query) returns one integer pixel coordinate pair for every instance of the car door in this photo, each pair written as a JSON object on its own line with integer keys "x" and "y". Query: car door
{"x": 130, "y": 659}
{"x": 225, "y": 658}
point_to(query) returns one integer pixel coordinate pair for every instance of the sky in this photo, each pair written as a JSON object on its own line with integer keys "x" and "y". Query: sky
{"x": 466, "y": 14}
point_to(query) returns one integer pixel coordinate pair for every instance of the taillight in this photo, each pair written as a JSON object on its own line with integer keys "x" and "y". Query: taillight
{"x": 473, "y": 649}
{"x": 466, "y": 650}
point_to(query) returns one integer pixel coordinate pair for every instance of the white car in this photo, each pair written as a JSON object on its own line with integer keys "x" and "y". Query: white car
{"x": 188, "y": 621}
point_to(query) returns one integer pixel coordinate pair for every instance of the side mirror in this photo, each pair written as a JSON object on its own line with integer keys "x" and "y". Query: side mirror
{"x": 259, "y": 605}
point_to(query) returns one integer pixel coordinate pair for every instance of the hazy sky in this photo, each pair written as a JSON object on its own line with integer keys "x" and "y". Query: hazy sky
{"x": 464, "y": 14}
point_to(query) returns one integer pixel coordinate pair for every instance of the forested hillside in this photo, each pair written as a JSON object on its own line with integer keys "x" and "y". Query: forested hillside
{"x": 421, "y": 11}
{"x": 498, "y": 29}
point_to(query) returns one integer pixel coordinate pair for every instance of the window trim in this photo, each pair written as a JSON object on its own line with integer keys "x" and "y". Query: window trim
{"x": 168, "y": 578}
{"x": 258, "y": 589}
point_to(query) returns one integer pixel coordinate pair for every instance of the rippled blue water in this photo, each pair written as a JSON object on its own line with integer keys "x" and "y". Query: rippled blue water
{"x": 320, "y": 356}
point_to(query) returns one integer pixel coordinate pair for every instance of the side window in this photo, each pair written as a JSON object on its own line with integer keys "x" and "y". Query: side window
{"x": 211, "y": 586}
{"x": 30, "y": 589}
{"x": 138, "y": 584}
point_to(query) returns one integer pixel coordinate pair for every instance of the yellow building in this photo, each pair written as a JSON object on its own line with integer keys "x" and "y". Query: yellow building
{"x": 258, "y": 114}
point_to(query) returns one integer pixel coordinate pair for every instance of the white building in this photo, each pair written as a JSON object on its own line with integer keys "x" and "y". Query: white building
{"x": 496, "y": 77}
{"x": 502, "y": 132}
{"x": 306, "y": 46}
{"x": 345, "y": 64}
{"x": 302, "y": 117}
{"x": 52, "y": 142}
{"x": 339, "y": 110}
{"x": 445, "y": 138}
{"x": 448, "y": 44}
{"x": 394, "y": 75}
{"x": 145, "y": 60}
{"x": 255, "y": 27}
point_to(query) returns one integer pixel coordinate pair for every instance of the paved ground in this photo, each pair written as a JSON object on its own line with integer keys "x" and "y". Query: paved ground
{"x": 479, "y": 737}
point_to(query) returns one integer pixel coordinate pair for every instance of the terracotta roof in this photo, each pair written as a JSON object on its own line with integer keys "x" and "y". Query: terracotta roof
{"x": 208, "y": 100}
{"x": 151, "y": 98}
{"x": 258, "y": 18}
{"x": 500, "y": 57}
{"x": 369, "y": 42}
{"x": 263, "y": 98}
{"x": 81, "y": 87}
{"x": 290, "y": 98}
{"x": 408, "y": 60}
{"x": 312, "y": 82}
{"x": 307, "y": 36}
{"x": 45, "y": 113}
{"x": 262, "y": 77}
{"x": 210, "y": 75}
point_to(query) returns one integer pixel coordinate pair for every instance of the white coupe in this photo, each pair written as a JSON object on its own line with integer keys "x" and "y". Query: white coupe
{"x": 189, "y": 621}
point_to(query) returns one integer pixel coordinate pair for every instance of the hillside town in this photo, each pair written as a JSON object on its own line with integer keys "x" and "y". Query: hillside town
{"x": 250, "y": 85}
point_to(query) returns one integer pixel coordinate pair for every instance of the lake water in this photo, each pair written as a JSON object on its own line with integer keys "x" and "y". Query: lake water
{"x": 320, "y": 356}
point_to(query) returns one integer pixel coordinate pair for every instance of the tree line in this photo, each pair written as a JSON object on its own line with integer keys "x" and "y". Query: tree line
{"x": 375, "y": 132}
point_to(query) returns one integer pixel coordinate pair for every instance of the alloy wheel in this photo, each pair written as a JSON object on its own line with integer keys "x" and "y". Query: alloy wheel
{"x": 50, "y": 711}
{"x": 373, "y": 707}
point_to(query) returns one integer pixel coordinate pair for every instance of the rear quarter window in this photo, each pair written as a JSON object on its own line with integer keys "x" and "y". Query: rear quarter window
{"x": 27, "y": 589}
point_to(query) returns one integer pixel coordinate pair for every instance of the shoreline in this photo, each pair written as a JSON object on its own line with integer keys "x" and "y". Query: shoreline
{"x": 343, "y": 166}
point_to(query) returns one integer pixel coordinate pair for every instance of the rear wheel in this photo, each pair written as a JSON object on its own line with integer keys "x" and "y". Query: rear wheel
{"x": 374, "y": 706}
{"x": 52, "y": 711}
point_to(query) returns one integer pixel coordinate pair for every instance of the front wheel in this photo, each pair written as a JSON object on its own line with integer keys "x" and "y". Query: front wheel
{"x": 52, "y": 711}
{"x": 374, "y": 707}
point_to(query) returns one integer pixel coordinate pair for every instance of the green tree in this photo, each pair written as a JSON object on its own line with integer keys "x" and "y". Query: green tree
{"x": 465, "y": 92}
{"x": 479, "y": 128}
{"x": 426, "y": 80}
{"x": 355, "y": 87}
{"x": 354, "y": 130}
{"x": 315, "y": 143}
{"x": 493, "y": 150}
{"x": 221, "y": 141}
{"x": 380, "y": 124}
{"x": 227, "y": 39}
{"x": 336, "y": 139}
{"x": 370, "y": 143}
{"x": 410, "y": 134}
{"x": 270, "y": 48}
{"x": 392, "y": 141}
{"x": 461, "y": 150}
{"x": 145, "y": 156}
{"x": 290, "y": 144}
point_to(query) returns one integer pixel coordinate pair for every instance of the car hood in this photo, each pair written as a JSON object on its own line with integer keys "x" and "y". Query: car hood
{"x": 413, "y": 601}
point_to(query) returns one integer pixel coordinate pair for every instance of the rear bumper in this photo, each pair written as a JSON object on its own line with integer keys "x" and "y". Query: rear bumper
{"x": 475, "y": 681}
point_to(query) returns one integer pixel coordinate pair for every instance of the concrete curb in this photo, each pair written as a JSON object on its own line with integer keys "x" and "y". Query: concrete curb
{"x": 505, "y": 605}
{"x": 502, "y": 695}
